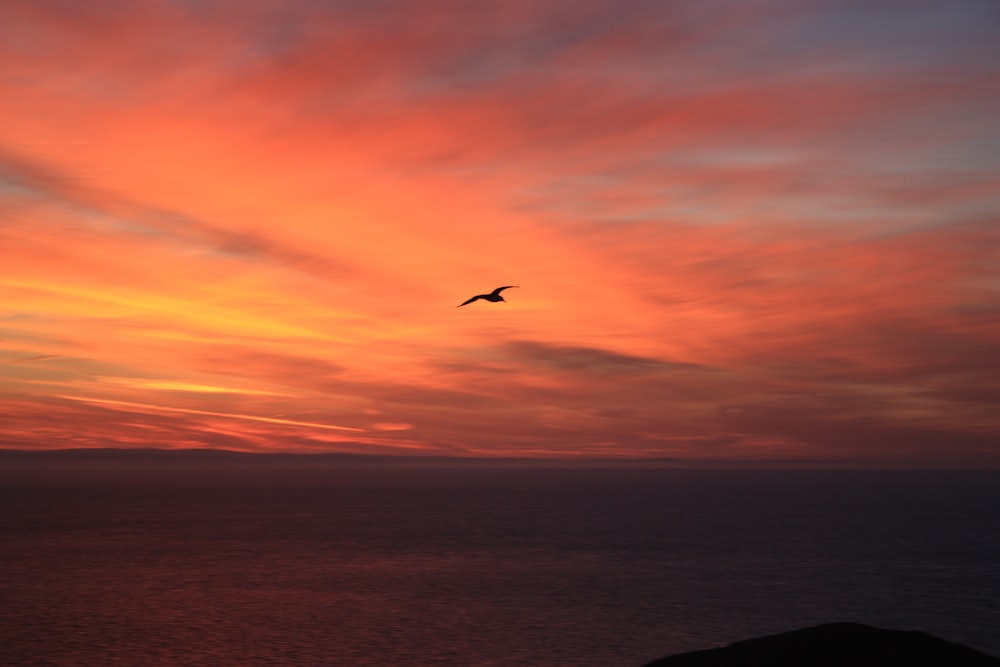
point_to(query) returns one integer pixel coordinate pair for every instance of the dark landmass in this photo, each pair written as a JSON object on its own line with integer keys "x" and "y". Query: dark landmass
{"x": 101, "y": 457}
{"x": 836, "y": 645}
{"x": 198, "y": 456}
{"x": 202, "y": 458}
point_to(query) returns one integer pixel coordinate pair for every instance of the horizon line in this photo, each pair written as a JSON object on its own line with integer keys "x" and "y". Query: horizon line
{"x": 569, "y": 460}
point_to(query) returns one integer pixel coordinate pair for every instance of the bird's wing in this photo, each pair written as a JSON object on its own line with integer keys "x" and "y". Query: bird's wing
{"x": 478, "y": 296}
{"x": 497, "y": 291}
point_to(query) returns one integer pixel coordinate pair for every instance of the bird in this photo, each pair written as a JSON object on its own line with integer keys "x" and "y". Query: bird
{"x": 493, "y": 296}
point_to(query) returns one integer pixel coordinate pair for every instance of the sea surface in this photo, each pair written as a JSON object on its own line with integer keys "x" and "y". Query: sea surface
{"x": 380, "y": 565}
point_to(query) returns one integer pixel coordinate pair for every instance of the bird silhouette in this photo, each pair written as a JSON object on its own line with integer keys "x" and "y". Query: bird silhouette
{"x": 493, "y": 296}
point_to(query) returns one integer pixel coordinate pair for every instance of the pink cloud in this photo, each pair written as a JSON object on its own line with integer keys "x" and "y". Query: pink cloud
{"x": 732, "y": 241}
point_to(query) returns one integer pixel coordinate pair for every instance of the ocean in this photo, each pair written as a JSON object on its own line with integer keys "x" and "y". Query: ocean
{"x": 364, "y": 565}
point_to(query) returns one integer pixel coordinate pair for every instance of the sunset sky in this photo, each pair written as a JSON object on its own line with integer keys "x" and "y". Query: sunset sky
{"x": 762, "y": 230}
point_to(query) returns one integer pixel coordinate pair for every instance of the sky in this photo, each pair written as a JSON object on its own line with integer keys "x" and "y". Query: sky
{"x": 741, "y": 230}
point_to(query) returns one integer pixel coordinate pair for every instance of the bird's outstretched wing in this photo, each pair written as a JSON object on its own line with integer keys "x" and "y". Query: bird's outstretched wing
{"x": 478, "y": 296}
{"x": 497, "y": 291}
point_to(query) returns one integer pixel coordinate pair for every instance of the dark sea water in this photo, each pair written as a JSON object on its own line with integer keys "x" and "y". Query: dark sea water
{"x": 253, "y": 566}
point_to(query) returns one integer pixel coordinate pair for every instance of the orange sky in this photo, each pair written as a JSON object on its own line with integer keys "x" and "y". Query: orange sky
{"x": 741, "y": 230}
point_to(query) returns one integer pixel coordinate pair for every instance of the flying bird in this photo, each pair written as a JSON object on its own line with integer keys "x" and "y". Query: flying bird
{"x": 493, "y": 296}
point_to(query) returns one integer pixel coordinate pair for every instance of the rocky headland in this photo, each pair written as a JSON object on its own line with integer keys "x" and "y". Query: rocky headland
{"x": 836, "y": 645}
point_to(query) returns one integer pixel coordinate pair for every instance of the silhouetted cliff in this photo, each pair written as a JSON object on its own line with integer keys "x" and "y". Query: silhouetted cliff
{"x": 836, "y": 645}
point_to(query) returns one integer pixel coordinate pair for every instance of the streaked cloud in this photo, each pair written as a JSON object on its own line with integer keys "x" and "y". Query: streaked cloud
{"x": 742, "y": 230}
{"x": 141, "y": 407}
{"x": 170, "y": 385}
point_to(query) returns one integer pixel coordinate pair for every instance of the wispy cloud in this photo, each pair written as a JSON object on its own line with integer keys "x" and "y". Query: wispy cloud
{"x": 141, "y": 407}
{"x": 747, "y": 230}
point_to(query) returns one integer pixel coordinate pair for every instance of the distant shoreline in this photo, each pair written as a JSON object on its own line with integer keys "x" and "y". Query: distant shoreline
{"x": 204, "y": 456}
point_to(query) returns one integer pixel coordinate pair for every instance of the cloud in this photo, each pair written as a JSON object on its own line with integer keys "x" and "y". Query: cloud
{"x": 30, "y": 360}
{"x": 391, "y": 426}
{"x": 172, "y": 385}
{"x": 741, "y": 229}
{"x": 143, "y": 223}
{"x": 586, "y": 360}
{"x": 140, "y": 407}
